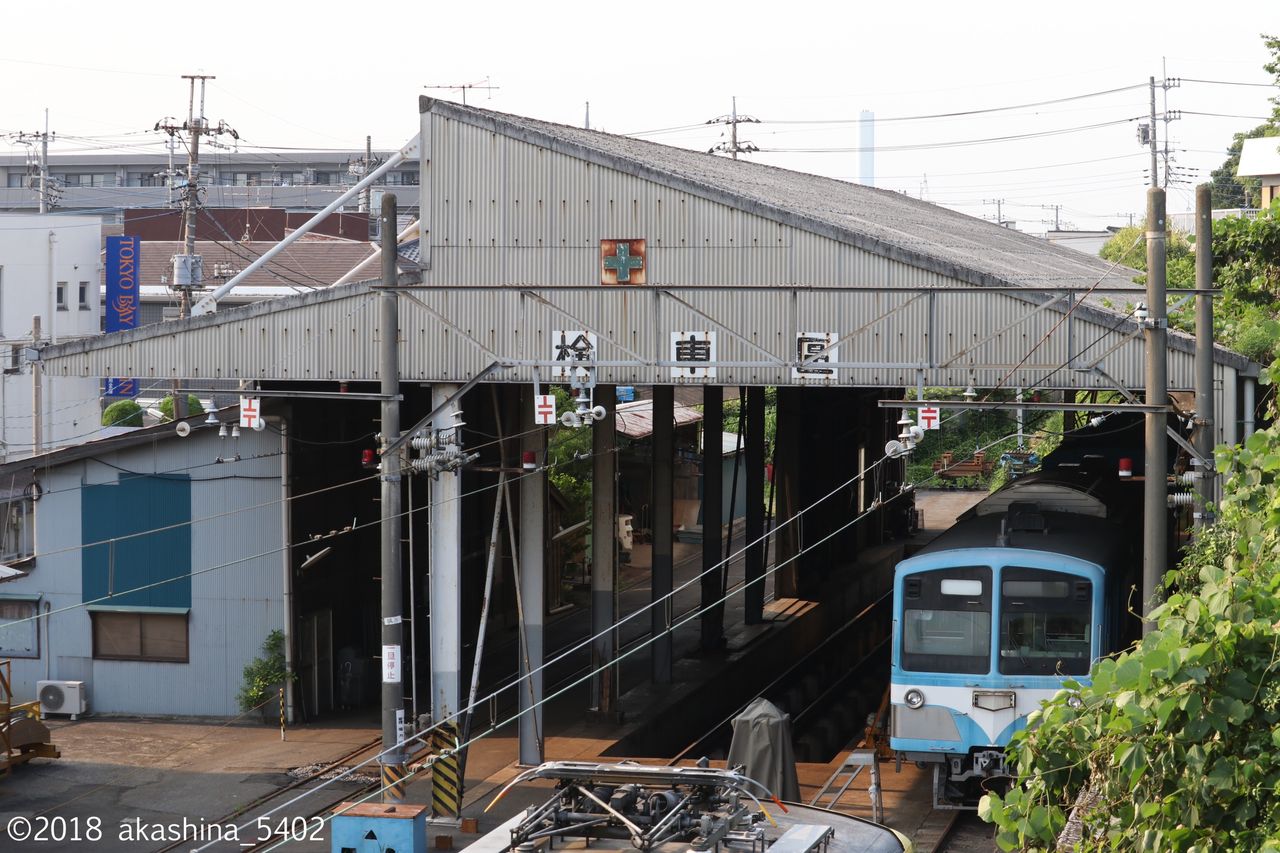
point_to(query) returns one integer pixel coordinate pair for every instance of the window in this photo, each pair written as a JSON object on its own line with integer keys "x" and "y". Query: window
{"x": 1045, "y": 622}
{"x": 146, "y": 179}
{"x": 19, "y": 628}
{"x": 17, "y": 180}
{"x": 17, "y": 529}
{"x": 143, "y": 634}
{"x": 62, "y": 296}
{"x": 87, "y": 180}
{"x": 946, "y": 620}
{"x": 407, "y": 178}
{"x": 84, "y": 296}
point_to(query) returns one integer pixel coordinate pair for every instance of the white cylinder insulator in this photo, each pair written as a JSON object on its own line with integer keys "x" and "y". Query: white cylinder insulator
{"x": 1187, "y": 478}
{"x": 422, "y": 442}
{"x": 1182, "y": 499}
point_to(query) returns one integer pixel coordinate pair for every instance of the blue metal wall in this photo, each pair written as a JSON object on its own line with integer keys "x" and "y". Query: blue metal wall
{"x": 137, "y": 537}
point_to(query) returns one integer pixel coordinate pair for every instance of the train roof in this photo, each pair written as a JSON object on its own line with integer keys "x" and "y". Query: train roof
{"x": 1086, "y": 537}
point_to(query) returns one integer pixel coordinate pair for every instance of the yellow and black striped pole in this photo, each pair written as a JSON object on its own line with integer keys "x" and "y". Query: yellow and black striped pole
{"x": 446, "y": 781}
{"x": 393, "y": 783}
{"x": 282, "y": 713}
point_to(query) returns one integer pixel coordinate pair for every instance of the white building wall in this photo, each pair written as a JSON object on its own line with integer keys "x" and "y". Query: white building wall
{"x": 37, "y": 252}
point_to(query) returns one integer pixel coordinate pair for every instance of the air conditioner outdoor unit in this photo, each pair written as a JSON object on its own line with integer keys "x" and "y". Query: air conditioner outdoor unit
{"x": 63, "y": 697}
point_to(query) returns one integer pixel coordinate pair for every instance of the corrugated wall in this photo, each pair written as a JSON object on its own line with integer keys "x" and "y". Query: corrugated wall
{"x": 499, "y": 211}
{"x": 236, "y": 584}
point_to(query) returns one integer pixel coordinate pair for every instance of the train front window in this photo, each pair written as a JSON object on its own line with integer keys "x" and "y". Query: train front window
{"x": 946, "y": 620}
{"x": 1045, "y": 622}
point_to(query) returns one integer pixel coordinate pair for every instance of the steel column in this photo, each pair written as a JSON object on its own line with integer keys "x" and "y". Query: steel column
{"x": 444, "y": 584}
{"x": 1204, "y": 354}
{"x": 753, "y": 418}
{"x": 661, "y": 512}
{"x": 604, "y": 550}
{"x": 533, "y": 583}
{"x": 713, "y": 567}
{"x": 1155, "y": 542}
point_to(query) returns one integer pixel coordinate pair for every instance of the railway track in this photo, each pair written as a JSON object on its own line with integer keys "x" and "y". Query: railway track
{"x": 247, "y": 813}
{"x": 965, "y": 832}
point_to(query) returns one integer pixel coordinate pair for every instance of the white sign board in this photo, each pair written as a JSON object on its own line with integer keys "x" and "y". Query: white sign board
{"x": 570, "y": 348}
{"x": 544, "y": 409}
{"x": 814, "y": 351}
{"x": 928, "y": 417}
{"x": 692, "y": 351}
{"x": 250, "y": 412}
{"x": 390, "y": 664}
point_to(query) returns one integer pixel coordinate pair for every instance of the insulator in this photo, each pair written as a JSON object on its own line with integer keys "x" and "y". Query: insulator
{"x": 423, "y": 442}
{"x": 1188, "y": 478}
{"x": 1182, "y": 499}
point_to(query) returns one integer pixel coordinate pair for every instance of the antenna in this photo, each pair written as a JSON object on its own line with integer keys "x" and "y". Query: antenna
{"x": 463, "y": 87}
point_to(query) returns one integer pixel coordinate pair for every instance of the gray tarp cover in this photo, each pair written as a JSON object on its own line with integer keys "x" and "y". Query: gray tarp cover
{"x": 762, "y": 745}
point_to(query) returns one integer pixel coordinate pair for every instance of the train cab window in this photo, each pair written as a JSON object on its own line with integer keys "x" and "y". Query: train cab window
{"x": 1045, "y": 622}
{"x": 946, "y": 620}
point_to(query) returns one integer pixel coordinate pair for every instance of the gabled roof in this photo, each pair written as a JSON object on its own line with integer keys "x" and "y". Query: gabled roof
{"x": 879, "y": 221}
{"x": 306, "y": 265}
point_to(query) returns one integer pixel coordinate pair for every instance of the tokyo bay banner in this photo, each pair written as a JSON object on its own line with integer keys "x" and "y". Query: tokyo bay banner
{"x": 122, "y": 300}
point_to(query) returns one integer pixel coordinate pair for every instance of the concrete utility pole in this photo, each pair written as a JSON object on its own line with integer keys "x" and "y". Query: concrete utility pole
{"x": 188, "y": 267}
{"x": 1204, "y": 355}
{"x": 1155, "y": 170}
{"x": 1155, "y": 550}
{"x": 999, "y": 203}
{"x": 392, "y": 759}
{"x": 28, "y": 139}
{"x": 733, "y": 148}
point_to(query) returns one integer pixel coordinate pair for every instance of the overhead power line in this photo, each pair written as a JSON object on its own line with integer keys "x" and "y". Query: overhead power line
{"x": 960, "y": 143}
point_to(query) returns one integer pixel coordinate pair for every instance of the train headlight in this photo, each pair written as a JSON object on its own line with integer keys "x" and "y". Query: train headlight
{"x": 914, "y": 698}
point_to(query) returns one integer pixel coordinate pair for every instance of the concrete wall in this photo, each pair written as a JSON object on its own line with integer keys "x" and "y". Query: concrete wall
{"x": 236, "y": 584}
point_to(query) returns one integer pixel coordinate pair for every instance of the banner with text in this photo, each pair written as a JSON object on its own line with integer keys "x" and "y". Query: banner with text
{"x": 122, "y": 300}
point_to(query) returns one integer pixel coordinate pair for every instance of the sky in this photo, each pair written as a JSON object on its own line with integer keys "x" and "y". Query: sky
{"x": 326, "y": 75}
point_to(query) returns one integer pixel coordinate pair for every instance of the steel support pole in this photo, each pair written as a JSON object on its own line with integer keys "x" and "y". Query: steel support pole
{"x": 445, "y": 583}
{"x": 533, "y": 583}
{"x": 392, "y": 758}
{"x": 1205, "y": 480}
{"x": 753, "y": 600}
{"x": 661, "y": 512}
{"x": 713, "y": 568}
{"x": 1155, "y": 551}
{"x": 604, "y": 551}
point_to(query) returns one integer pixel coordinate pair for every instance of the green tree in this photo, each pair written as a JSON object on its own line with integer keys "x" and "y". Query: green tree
{"x": 1246, "y": 264}
{"x": 1175, "y": 743}
{"x": 194, "y": 406}
{"x": 122, "y": 413}
{"x": 1230, "y": 190}
{"x": 1129, "y": 247}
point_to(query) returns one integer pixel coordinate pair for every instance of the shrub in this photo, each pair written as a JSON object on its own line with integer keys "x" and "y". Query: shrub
{"x": 122, "y": 413}
{"x": 194, "y": 406}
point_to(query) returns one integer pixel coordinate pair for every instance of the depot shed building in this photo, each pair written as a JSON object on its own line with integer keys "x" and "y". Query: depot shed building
{"x": 676, "y": 268}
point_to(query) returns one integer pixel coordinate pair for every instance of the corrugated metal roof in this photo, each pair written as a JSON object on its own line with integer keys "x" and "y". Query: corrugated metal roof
{"x": 883, "y": 222}
{"x": 635, "y": 420}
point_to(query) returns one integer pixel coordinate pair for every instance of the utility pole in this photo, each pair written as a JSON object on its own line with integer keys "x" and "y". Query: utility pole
{"x": 46, "y": 188}
{"x": 360, "y": 168}
{"x": 483, "y": 85}
{"x": 189, "y": 266}
{"x": 1057, "y": 212}
{"x": 999, "y": 203}
{"x": 1155, "y": 509}
{"x": 1151, "y": 142}
{"x": 733, "y": 148}
{"x": 1204, "y": 356}
{"x": 392, "y": 755}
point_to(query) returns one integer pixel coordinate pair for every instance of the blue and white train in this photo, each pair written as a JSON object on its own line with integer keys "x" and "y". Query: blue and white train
{"x": 1027, "y": 589}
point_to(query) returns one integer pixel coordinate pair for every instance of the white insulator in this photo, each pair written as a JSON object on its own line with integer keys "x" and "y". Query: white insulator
{"x": 1182, "y": 499}
{"x": 1187, "y": 478}
{"x": 422, "y": 463}
{"x": 423, "y": 442}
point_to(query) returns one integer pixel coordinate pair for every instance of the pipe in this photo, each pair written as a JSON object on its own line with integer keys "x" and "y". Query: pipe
{"x": 48, "y": 640}
{"x": 1204, "y": 353}
{"x": 484, "y": 622}
{"x": 209, "y": 304}
{"x": 355, "y": 271}
{"x": 290, "y": 697}
{"x": 1250, "y": 387}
